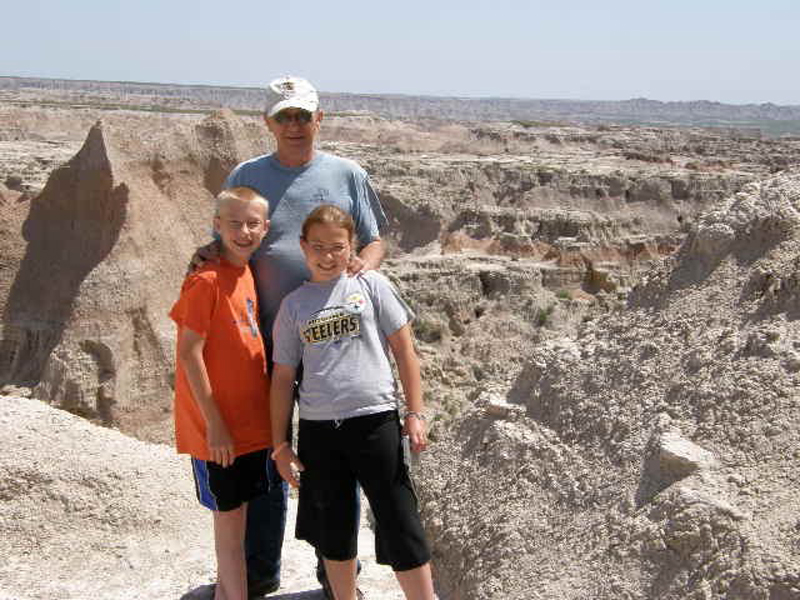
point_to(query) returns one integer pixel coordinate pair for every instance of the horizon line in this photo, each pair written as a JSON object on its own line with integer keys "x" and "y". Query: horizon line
{"x": 407, "y": 95}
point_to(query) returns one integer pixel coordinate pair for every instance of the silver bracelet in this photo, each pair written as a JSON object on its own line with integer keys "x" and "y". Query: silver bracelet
{"x": 412, "y": 413}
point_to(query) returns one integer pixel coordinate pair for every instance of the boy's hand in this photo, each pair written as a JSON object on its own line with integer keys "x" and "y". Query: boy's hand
{"x": 209, "y": 252}
{"x": 414, "y": 428}
{"x": 220, "y": 444}
{"x": 290, "y": 467}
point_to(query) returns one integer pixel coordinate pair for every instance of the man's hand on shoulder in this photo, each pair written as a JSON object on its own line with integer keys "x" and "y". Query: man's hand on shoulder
{"x": 356, "y": 266}
{"x": 368, "y": 259}
{"x": 208, "y": 253}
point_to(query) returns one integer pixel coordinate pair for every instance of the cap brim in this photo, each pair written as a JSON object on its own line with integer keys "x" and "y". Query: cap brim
{"x": 309, "y": 104}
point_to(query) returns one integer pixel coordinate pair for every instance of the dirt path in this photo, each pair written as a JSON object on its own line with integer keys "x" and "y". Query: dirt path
{"x": 87, "y": 512}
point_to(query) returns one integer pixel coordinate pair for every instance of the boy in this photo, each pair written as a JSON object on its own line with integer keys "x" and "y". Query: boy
{"x": 221, "y": 385}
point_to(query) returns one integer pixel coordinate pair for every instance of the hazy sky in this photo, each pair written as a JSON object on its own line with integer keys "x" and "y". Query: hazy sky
{"x": 736, "y": 51}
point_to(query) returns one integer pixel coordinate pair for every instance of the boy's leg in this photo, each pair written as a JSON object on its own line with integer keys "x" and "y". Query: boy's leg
{"x": 417, "y": 583}
{"x": 229, "y": 543}
{"x": 266, "y": 522}
{"x": 342, "y": 578}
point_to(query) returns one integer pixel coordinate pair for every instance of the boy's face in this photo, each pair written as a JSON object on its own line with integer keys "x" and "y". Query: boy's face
{"x": 241, "y": 226}
{"x": 327, "y": 250}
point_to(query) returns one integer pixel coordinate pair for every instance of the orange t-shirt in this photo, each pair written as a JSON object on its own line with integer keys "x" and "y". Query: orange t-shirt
{"x": 219, "y": 302}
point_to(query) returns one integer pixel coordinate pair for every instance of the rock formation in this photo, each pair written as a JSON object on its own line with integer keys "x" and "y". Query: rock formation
{"x": 656, "y": 454}
{"x": 596, "y": 434}
{"x": 108, "y": 240}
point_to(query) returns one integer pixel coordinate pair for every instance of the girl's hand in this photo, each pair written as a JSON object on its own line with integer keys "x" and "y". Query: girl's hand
{"x": 289, "y": 466}
{"x": 414, "y": 427}
{"x": 220, "y": 443}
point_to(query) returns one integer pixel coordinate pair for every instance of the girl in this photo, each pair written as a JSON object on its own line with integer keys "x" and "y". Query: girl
{"x": 341, "y": 328}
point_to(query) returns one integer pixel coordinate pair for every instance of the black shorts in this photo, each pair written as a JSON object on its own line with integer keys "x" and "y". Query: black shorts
{"x": 227, "y": 488}
{"x": 366, "y": 450}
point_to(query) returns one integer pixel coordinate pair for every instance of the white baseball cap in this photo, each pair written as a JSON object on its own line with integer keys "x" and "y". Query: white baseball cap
{"x": 290, "y": 92}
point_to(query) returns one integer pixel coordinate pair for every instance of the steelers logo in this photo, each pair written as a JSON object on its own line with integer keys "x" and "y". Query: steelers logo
{"x": 355, "y": 303}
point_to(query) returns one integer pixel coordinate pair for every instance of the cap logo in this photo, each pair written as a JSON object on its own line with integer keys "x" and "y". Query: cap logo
{"x": 287, "y": 89}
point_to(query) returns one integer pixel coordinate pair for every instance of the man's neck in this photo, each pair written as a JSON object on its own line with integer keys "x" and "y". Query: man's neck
{"x": 292, "y": 158}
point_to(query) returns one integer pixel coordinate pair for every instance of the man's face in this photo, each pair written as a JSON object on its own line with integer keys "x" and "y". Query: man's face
{"x": 294, "y": 128}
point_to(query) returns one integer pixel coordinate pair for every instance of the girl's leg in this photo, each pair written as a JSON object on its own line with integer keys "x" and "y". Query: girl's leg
{"x": 229, "y": 527}
{"x": 342, "y": 577}
{"x": 417, "y": 583}
{"x": 400, "y": 538}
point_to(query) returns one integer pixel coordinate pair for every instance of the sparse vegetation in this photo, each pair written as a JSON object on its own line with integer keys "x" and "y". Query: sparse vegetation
{"x": 544, "y": 314}
{"x": 428, "y": 330}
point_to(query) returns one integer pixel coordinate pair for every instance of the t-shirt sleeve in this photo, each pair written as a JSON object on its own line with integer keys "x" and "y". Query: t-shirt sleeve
{"x": 196, "y": 304}
{"x": 391, "y": 311}
{"x": 233, "y": 178}
{"x": 287, "y": 346}
{"x": 368, "y": 213}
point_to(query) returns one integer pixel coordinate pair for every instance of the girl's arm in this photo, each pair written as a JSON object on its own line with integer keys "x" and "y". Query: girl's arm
{"x": 408, "y": 367}
{"x": 190, "y": 355}
{"x": 281, "y": 411}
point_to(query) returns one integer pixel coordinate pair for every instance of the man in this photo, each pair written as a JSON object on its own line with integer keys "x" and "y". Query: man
{"x": 295, "y": 179}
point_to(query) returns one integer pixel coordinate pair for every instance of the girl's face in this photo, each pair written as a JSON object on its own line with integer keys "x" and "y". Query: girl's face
{"x": 327, "y": 249}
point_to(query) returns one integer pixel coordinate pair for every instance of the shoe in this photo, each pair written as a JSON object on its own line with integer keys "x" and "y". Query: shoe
{"x": 258, "y": 589}
{"x": 203, "y": 592}
{"x": 328, "y": 590}
{"x": 254, "y": 590}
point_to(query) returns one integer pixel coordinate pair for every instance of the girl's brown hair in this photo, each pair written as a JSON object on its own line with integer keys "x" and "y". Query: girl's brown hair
{"x": 329, "y": 214}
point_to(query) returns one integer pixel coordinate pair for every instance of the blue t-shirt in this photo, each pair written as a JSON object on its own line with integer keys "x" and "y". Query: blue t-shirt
{"x": 293, "y": 192}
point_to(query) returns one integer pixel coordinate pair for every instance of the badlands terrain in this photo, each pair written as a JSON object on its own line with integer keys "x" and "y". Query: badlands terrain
{"x": 607, "y": 319}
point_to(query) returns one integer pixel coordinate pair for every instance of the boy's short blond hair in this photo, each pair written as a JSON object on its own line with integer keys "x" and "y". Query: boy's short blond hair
{"x": 241, "y": 193}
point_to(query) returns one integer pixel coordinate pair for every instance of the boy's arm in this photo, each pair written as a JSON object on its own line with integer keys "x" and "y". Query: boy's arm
{"x": 190, "y": 354}
{"x": 408, "y": 367}
{"x": 280, "y": 412}
{"x": 370, "y": 257}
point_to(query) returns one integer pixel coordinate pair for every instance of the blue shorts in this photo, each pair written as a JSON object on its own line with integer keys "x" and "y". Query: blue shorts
{"x": 227, "y": 488}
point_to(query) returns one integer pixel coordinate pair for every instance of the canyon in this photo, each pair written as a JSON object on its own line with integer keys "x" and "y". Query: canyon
{"x": 606, "y": 317}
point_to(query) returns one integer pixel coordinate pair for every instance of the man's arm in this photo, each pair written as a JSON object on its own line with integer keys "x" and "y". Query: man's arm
{"x": 369, "y": 258}
{"x": 218, "y": 438}
{"x": 280, "y": 399}
{"x": 210, "y": 252}
{"x": 408, "y": 368}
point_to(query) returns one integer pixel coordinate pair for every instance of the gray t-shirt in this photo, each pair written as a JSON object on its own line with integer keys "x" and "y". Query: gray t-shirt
{"x": 338, "y": 329}
{"x": 293, "y": 192}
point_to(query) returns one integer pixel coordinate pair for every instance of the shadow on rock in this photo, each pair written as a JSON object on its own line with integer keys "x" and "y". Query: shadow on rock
{"x": 72, "y": 226}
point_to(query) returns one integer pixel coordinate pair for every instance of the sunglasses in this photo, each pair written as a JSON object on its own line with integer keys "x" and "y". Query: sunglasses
{"x": 302, "y": 117}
